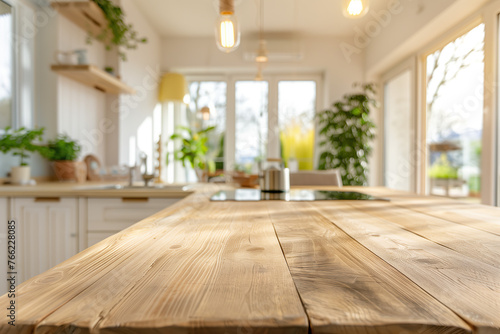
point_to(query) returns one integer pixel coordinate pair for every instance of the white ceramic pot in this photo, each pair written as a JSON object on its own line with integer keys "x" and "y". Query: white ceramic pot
{"x": 20, "y": 175}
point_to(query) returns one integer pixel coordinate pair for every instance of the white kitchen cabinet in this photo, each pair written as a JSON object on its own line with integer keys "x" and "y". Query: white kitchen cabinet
{"x": 46, "y": 233}
{"x": 107, "y": 216}
{"x": 4, "y": 215}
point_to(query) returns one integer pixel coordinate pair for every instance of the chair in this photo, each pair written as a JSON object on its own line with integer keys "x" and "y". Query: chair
{"x": 330, "y": 177}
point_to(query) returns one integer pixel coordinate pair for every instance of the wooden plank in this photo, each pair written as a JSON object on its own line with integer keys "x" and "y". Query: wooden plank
{"x": 85, "y": 14}
{"x": 93, "y": 76}
{"x": 469, "y": 288}
{"x": 346, "y": 288}
{"x": 474, "y": 243}
{"x": 481, "y": 217}
{"x": 45, "y": 293}
{"x": 216, "y": 270}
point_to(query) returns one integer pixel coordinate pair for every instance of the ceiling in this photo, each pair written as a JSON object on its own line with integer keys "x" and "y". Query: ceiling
{"x": 196, "y": 18}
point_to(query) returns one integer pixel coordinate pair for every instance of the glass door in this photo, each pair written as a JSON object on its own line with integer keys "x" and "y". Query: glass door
{"x": 454, "y": 116}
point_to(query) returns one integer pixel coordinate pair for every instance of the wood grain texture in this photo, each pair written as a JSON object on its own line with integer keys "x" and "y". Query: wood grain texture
{"x": 469, "y": 288}
{"x": 195, "y": 268}
{"x": 481, "y": 217}
{"x": 219, "y": 267}
{"x": 477, "y": 244}
{"x": 87, "y": 15}
{"x": 347, "y": 289}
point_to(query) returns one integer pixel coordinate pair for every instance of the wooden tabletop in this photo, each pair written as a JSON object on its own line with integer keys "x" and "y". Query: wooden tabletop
{"x": 410, "y": 265}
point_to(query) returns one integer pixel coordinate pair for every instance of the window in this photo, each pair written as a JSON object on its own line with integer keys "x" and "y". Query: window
{"x": 454, "y": 116}
{"x": 16, "y": 73}
{"x": 253, "y": 118}
{"x": 211, "y": 94}
{"x": 6, "y": 66}
{"x": 296, "y": 109}
{"x": 251, "y": 122}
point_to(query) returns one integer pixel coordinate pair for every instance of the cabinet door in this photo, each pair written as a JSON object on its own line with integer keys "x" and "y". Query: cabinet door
{"x": 46, "y": 231}
{"x": 4, "y": 215}
{"x": 116, "y": 214}
{"x": 107, "y": 216}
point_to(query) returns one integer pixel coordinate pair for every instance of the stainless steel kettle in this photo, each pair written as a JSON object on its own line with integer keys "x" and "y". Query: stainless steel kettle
{"x": 274, "y": 178}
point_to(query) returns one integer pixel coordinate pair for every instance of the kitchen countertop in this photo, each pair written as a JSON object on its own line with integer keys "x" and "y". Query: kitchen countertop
{"x": 88, "y": 189}
{"x": 411, "y": 265}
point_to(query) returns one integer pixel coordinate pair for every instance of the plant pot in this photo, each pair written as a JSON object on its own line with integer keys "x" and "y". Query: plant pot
{"x": 201, "y": 174}
{"x": 20, "y": 175}
{"x": 70, "y": 170}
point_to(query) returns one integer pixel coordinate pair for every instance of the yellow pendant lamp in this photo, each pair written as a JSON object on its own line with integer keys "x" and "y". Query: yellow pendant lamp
{"x": 172, "y": 88}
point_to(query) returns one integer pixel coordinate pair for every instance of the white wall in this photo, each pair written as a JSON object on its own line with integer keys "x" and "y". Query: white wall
{"x": 399, "y": 33}
{"x": 142, "y": 72}
{"x": 80, "y": 108}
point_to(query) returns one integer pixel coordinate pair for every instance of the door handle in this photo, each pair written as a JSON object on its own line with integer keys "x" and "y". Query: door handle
{"x": 135, "y": 199}
{"x": 47, "y": 199}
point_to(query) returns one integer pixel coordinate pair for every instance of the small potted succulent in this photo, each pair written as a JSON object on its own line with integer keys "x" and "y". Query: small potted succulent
{"x": 63, "y": 151}
{"x": 20, "y": 142}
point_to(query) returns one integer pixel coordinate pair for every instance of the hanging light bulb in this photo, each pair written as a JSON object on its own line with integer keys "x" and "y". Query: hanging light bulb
{"x": 355, "y": 8}
{"x": 227, "y": 30}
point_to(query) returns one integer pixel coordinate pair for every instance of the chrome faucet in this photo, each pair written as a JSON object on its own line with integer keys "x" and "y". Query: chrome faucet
{"x": 144, "y": 162}
{"x": 131, "y": 172}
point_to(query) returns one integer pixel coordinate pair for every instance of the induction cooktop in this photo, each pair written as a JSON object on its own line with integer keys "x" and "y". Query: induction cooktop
{"x": 294, "y": 195}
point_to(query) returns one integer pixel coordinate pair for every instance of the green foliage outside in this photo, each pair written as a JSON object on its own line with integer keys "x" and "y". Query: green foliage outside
{"x": 474, "y": 184}
{"x": 118, "y": 32}
{"x": 219, "y": 165}
{"x": 347, "y": 131}
{"x": 63, "y": 148}
{"x": 194, "y": 148}
{"x": 442, "y": 169}
{"x": 20, "y": 142}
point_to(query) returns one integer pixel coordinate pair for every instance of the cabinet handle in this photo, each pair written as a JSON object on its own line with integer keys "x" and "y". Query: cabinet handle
{"x": 73, "y": 235}
{"x": 47, "y": 199}
{"x": 135, "y": 199}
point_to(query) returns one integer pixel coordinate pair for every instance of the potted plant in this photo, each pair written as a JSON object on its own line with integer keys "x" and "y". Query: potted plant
{"x": 194, "y": 150}
{"x": 117, "y": 33}
{"x": 21, "y": 142}
{"x": 63, "y": 151}
{"x": 347, "y": 130}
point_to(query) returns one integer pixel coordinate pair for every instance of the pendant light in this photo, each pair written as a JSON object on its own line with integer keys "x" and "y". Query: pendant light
{"x": 355, "y": 8}
{"x": 261, "y": 57}
{"x": 227, "y": 30}
{"x": 262, "y": 51}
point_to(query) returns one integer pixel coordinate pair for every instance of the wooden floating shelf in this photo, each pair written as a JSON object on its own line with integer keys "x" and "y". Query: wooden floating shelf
{"x": 87, "y": 15}
{"x": 93, "y": 76}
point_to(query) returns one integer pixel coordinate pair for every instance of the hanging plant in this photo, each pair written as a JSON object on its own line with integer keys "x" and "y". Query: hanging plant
{"x": 117, "y": 33}
{"x": 347, "y": 131}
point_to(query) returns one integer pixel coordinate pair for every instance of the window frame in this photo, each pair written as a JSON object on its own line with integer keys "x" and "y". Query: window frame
{"x": 489, "y": 141}
{"x": 20, "y": 115}
{"x": 273, "y": 80}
